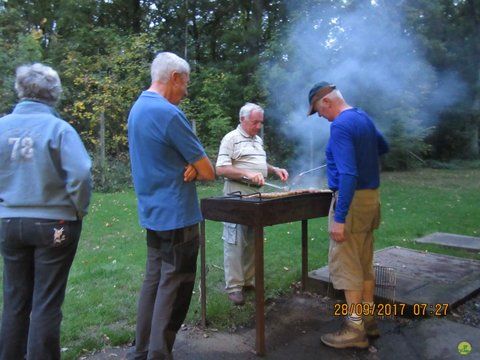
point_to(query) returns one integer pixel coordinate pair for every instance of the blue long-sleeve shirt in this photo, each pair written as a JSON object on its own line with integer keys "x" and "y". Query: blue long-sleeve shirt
{"x": 44, "y": 167}
{"x": 352, "y": 154}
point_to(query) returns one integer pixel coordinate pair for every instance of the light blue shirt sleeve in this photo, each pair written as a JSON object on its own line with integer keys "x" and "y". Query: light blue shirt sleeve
{"x": 76, "y": 164}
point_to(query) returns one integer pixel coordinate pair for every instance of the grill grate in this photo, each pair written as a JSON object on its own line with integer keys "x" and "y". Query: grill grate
{"x": 240, "y": 195}
{"x": 385, "y": 285}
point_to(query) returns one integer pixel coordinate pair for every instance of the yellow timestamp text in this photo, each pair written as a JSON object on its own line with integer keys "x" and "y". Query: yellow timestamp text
{"x": 395, "y": 309}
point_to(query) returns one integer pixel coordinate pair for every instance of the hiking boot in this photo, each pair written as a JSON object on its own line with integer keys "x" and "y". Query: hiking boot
{"x": 371, "y": 326}
{"x": 236, "y": 297}
{"x": 350, "y": 335}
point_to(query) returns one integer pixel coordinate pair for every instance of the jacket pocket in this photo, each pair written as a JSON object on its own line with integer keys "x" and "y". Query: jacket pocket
{"x": 230, "y": 233}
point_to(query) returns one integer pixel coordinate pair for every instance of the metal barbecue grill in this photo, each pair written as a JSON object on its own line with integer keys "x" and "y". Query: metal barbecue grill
{"x": 258, "y": 211}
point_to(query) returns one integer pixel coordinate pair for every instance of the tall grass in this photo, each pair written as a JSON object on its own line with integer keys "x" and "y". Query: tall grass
{"x": 100, "y": 305}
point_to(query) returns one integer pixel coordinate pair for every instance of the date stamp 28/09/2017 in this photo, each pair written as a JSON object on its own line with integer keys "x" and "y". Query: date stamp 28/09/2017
{"x": 395, "y": 309}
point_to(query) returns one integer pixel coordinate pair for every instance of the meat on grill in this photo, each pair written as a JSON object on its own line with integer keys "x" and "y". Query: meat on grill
{"x": 280, "y": 194}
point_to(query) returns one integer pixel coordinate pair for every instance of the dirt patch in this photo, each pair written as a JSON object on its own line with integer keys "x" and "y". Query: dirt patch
{"x": 468, "y": 313}
{"x": 294, "y": 325}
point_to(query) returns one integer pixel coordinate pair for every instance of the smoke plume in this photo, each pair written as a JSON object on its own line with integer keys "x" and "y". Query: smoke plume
{"x": 374, "y": 61}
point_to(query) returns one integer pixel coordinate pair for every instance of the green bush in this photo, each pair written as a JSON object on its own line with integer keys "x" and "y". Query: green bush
{"x": 407, "y": 148}
{"x": 455, "y": 136}
{"x": 457, "y": 164}
{"x": 114, "y": 176}
{"x": 207, "y": 106}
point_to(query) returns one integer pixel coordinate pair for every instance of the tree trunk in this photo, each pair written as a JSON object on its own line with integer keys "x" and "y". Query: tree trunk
{"x": 102, "y": 147}
{"x": 185, "y": 52}
{"x": 475, "y": 120}
{"x": 256, "y": 23}
{"x": 137, "y": 16}
{"x": 473, "y": 130}
{"x": 195, "y": 36}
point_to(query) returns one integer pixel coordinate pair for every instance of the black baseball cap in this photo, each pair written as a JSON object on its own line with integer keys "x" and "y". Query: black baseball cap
{"x": 318, "y": 91}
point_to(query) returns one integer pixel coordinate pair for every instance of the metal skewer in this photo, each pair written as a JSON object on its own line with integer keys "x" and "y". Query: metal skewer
{"x": 295, "y": 179}
{"x": 247, "y": 181}
{"x": 283, "y": 188}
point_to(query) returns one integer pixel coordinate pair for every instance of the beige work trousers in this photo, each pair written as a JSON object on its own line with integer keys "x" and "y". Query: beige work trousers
{"x": 238, "y": 256}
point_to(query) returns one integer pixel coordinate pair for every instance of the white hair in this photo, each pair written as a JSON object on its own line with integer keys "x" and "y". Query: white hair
{"x": 335, "y": 94}
{"x": 39, "y": 82}
{"x": 165, "y": 63}
{"x": 247, "y": 109}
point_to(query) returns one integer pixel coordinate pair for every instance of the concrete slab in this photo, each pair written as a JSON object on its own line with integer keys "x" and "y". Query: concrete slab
{"x": 452, "y": 240}
{"x": 421, "y": 277}
{"x": 434, "y": 338}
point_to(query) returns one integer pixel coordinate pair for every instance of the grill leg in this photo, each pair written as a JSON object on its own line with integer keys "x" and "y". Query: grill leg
{"x": 304, "y": 253}
{"x": 203, "y": 287}
{"x": 259, "y": 293}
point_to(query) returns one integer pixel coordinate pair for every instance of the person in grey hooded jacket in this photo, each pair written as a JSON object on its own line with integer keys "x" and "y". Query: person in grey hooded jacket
{"x": 45, "y": 188}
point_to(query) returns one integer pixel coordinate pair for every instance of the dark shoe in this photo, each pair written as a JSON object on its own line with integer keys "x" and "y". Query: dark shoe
{"x": 249, "y": 288}
{"x": 350, "y": 335}
{"x": 371, "y": 326}
{"x": 236, "y": 297}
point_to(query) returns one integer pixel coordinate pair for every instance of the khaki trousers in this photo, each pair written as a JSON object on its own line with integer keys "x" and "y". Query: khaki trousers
{"x": 350, "y": 263}
{"x": 238, "y": 256}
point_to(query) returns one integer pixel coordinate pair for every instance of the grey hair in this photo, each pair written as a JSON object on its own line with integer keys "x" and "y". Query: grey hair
{"x": 39, "y": 82}
{"x": 247, "y": 109}
{"x": 165, "y": 63}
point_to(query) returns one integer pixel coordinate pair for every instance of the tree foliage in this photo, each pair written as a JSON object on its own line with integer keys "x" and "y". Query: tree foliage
{"x": 103, "y": 49}
{"x": 100, "y": 85}
{"x": 407, "y": 147}
{"x": 209, "y": 108}
{"x": 450, "y": 35}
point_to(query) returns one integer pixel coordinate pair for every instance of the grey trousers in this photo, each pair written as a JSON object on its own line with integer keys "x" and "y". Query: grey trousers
{"x": 37, "y": 255}
{"x": 166, "y": 291}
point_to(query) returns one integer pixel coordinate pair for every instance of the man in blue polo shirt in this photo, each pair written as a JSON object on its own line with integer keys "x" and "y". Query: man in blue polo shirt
{"x": 353, "y": 170}
{"x": 166, "y": 157}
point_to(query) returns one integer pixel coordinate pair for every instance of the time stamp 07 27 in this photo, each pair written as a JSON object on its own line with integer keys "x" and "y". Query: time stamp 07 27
{"x": 395, "y": 309}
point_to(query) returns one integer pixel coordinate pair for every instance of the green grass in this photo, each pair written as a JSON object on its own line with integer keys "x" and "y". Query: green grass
{"x": 100, "y": 304}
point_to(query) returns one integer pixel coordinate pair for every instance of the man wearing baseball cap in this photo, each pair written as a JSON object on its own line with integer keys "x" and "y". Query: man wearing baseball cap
{"x": 352, "y": 153}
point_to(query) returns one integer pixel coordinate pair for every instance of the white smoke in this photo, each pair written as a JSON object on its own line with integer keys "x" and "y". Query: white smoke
{"x": 374, "y": 61}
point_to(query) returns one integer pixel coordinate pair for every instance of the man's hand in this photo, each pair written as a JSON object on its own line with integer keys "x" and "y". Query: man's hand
{"x": 281, "y": 173}
{"x": 256, "y": 178}
{"x": 190, "y": 173}
{"x": 337, "y": 232}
